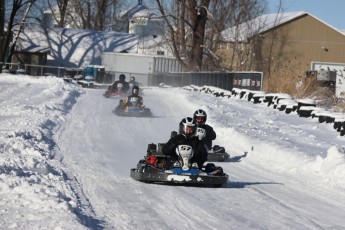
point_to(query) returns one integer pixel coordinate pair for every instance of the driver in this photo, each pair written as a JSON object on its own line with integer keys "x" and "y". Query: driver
{"x": 186, "y": 136}
{"x": 205, "y": 132}
{"x": 134, "y": 100}
{"x": 120, "y": 86}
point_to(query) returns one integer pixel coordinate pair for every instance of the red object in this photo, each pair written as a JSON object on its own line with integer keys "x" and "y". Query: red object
{"x": 152, "y": 160}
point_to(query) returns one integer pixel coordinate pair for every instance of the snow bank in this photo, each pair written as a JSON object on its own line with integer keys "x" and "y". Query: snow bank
{"x": 34, "y": 187}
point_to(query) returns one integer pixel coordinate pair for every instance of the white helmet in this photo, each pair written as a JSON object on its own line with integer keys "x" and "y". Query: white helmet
{"x": 187, "y": 127}
{"x": 200, "y": 116}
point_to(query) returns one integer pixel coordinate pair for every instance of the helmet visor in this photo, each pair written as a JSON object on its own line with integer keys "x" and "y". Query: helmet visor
{"x": 188, "y": 130}
{"x": 200, "y": 119}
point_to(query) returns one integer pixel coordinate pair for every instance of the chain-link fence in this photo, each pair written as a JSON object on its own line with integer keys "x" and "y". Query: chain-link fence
{"x": 39, "y": 70}
{"x": 223, "y": 80}
{"x": 101, "y": 76}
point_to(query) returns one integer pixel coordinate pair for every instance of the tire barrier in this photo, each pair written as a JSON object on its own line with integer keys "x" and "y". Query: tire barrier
{"x": 305, "y": 108}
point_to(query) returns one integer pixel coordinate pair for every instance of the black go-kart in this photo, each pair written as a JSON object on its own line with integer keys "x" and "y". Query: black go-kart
{"x": 217, "y": 154}
{"x": 158, "y": 168}
{"x": 134, "y": 111}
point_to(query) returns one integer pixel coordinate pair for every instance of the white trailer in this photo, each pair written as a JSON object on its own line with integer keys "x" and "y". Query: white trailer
{"x": 139, "y": 65}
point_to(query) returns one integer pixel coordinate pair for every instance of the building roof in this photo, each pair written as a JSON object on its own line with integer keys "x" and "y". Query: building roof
{"x": 342, "y": 31}
{"x": 74, "y": 47}
{"x": 30, "y": 40}
{"x": 264, "y": 23}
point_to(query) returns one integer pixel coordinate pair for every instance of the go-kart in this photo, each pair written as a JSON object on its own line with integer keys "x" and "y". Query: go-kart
{"x": 217, "y": 153}
{"x": 131, "y": 111}
{"x": 156, "y": 167}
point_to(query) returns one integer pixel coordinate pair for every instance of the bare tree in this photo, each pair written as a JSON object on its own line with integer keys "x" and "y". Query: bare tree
{"x": 268, "y": 66}
{"x": 2, "y": 31}
{"x": 194, "y": 28}
{"x": 92, "y": 14}
{"x": 189, "y": 21}
{"x": 217, "y": 19}
{"x": 252, "y": 44}
{"x": 242, "y": 25}
{"x": 19, "y": 10}
{"x": 101, "y": 13}
{"x": 83, "y": 10}
{"x": 28, "y": 6}
{"x": 61, "y": 13}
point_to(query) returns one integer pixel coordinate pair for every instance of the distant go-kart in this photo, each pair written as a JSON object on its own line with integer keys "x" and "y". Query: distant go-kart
{"x": 217, "y": 154}
{"x": 131, "y": 111}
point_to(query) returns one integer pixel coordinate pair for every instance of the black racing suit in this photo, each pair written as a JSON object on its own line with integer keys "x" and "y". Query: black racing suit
{"x": 200, "y": 152}
{"x": 124, "y": 86}
{"x": 134, "y": 101}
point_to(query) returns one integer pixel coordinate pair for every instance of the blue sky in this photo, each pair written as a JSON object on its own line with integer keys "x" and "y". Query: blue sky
{"x": 331, "y": 12}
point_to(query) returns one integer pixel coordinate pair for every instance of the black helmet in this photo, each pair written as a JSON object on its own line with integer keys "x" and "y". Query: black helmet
{"x": 132, "y": 78}
{"x": 122, "y": 77}
{"x": 135, "y": 90}
{"x": 187, "y": 127}
{"x": 200, "y": 116}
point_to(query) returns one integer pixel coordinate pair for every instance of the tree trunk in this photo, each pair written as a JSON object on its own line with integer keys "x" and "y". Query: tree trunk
{"x": 198, "y": 18}
{"x": 13, "y": 44}
{"x": 2, "y": 32}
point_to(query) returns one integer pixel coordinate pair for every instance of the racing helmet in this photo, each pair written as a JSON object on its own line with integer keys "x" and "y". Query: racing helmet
{"x": 135, "y": 90}
{"x": 200, "y": 116}
{"x": 122, "y": 77}
{"x": 188, "y": 127}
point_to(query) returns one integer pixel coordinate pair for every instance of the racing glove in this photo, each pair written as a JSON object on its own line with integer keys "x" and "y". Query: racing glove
{"x": 200, "y": 133}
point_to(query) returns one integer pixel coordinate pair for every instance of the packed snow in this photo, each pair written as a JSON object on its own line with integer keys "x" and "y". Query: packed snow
{"x": 65, "y": 162}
